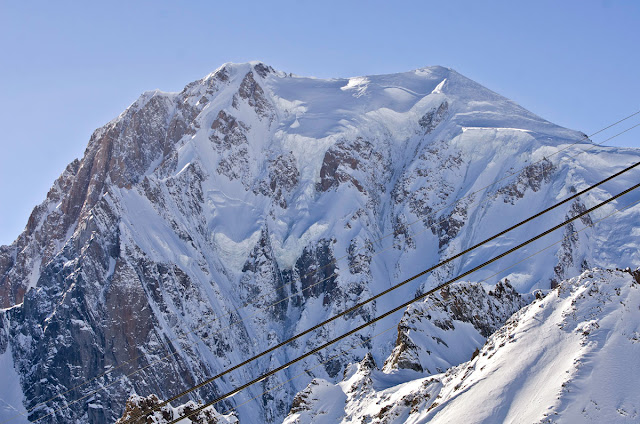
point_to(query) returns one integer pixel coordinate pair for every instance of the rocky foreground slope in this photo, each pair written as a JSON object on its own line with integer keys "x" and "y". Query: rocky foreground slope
{"x": 203, "y": 226}
{"x": 572, "y": 356}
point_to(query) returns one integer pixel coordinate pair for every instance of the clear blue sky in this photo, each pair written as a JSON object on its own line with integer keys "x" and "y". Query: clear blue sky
{"x": 69, "y": 67}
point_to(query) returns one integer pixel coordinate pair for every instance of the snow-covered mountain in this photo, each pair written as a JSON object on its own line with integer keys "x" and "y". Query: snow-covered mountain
{"x": 570, "y": 357}
{"x": 155, "y": 259}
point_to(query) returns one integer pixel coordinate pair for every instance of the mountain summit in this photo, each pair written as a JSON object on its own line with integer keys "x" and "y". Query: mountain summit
{"x": 204, "y": 226}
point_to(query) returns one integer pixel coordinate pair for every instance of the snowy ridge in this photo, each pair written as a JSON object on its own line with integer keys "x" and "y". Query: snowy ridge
{"x": 571, "y": 356}
{"x": 193, "y": 212}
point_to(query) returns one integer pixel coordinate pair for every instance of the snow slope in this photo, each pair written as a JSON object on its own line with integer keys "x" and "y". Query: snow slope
{"x": 572, "y": 356}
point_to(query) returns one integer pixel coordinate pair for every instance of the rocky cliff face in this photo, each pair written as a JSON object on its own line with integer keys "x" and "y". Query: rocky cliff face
{"x": 204, "y": 226}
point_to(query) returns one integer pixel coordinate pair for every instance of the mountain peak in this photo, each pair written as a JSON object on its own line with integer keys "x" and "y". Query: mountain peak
{"x": 277, "y": 202}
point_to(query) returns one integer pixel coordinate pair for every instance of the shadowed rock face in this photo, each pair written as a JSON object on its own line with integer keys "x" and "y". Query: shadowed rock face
{"x": 316, "y": 268}
{"x": 116, "y": 155}
{"x": 228, "y": 132}
{"x": 20, "y": 263}
{"x": 90, "y": 315}
{"x": 202, "y": 227}
{"x": 90, "y": 310}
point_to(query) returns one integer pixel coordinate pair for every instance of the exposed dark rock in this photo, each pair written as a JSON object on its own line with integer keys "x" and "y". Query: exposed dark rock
{"x": 568, "y": 257}
{"x": 261, "y": 282}
{"x": 316, "y": 270}
{"x": 402, "y": 233}
{"x": 136, "y": 276}
{"x": 425, "y": 189}
{"x": 432, "y": 118}
{"x": 251, "y": 92}
{"x": 530, "y": 178}
{"x": 356, "y": 162}
{"x": 228, "y": 132}
{"x": 283, "y": 177}
{"x": 263, "y": 70}
{"x": 235, "y": 166}
{"x": 459, "y": 302}
{"x": 301, "y": 400}
{"x": 4, "y": 333}
{"x": 404, "y": 355}
{"x": 368, "y": 362}
{"x": 360, "y": 257}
